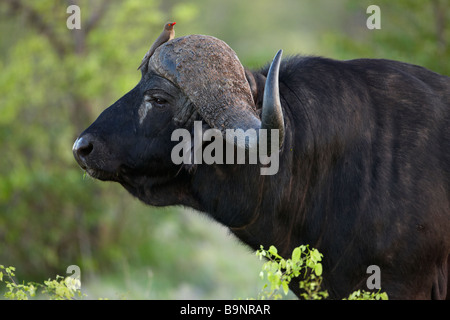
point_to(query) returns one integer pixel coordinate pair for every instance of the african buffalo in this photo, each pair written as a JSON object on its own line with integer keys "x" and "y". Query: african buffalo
{"x": 363, "y": 147}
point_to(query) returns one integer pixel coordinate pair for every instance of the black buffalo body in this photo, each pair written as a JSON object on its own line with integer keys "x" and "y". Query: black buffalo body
{"x": 364, "y": 169}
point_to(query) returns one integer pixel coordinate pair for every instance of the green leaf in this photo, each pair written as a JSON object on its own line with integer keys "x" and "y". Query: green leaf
{"x": 316, "y": 255}
{"x": 318, "y": 269}
{"x": 296, "y": 255}
{"x": 273, "y": 250}
{"x": 285, "y": 286}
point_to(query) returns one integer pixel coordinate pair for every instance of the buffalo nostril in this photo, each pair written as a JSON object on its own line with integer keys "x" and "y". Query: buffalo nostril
{"x": 82, "y": 147}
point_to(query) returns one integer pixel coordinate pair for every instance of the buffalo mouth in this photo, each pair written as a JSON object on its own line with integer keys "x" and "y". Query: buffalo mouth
{"x": 138, "y": 183}
{"x": 101, "y": 174}
{"x": 98, "y": 169}
{"x": 95, "y": 159}
{"x": 126, "y": 176}
{"x": 129, "y": 175}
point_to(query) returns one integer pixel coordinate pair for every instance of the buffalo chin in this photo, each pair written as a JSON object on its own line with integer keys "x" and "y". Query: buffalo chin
{"x": 160, "y": 190}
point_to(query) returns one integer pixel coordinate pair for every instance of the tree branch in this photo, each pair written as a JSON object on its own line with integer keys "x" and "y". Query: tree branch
{"x": 97, "y": 15}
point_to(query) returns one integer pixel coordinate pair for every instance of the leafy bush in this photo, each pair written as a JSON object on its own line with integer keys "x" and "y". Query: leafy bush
{"x": 306, "y": 264}
{"x": 279, "y": 272}
{"x": 57, "y": 289}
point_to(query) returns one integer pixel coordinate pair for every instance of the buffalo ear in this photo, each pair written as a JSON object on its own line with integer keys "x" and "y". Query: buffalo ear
{"x": 256, "y": 82}
{"x": 252, "y": 82}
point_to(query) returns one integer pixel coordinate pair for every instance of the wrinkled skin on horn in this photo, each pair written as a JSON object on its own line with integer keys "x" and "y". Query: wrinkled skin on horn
{"x": 211, "y": 75}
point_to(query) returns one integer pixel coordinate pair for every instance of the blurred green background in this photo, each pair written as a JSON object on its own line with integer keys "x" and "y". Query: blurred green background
{"x": 54, "y": 82}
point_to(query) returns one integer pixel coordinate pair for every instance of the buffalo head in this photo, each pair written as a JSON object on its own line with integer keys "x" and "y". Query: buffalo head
{"x": 189, "y": 78}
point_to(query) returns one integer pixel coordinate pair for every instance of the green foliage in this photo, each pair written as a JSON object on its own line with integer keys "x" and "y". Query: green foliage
{"x": 57, "y": 289}
{"x": 62, "y": 288}
{"x": 305, "y": 264}
{"x": 365, "y": 295}
{"x": 15, "y": 291}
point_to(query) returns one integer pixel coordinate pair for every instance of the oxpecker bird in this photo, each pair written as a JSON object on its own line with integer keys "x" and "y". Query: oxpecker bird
{"x": 167, "y": 34}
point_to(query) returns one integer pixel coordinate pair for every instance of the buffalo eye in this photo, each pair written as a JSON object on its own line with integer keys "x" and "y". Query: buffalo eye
{"x": 159, "y": 102}
{"x": 153, "y": 101}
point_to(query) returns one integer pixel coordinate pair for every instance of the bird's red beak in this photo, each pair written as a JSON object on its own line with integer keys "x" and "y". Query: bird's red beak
{"x": 174, "y": 23}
